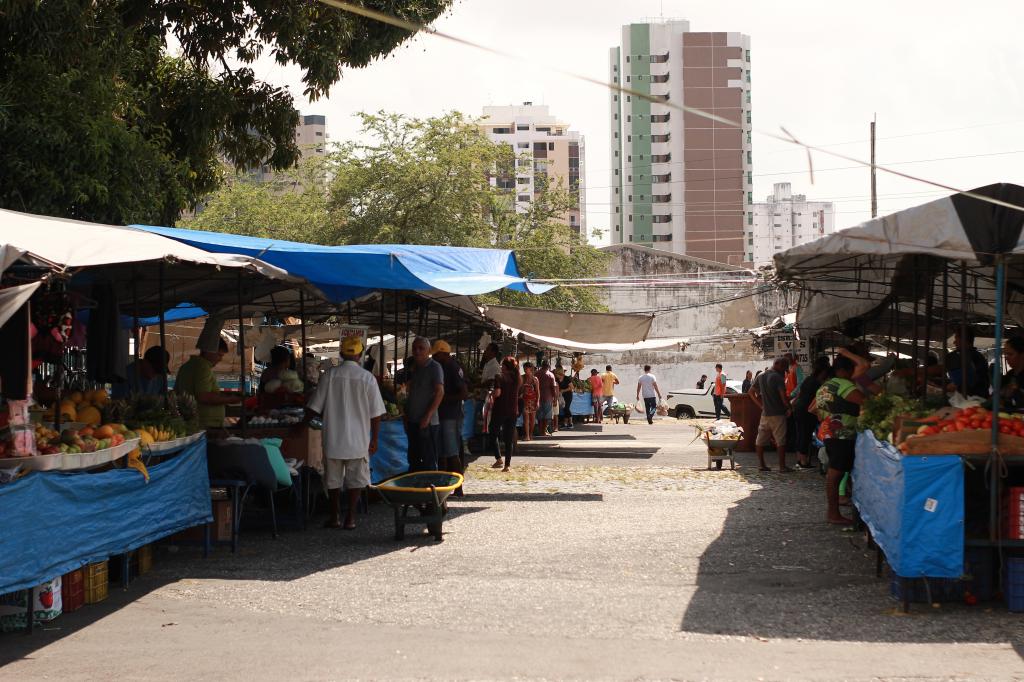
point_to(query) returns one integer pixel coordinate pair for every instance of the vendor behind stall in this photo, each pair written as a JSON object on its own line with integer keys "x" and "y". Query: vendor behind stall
{"x": 196, "y": 378}
{"x": 145, "y": 376}
{"x": 976, "y": 382}
{"x": 280, "y": 360}
{"x": 1013, "y": 382}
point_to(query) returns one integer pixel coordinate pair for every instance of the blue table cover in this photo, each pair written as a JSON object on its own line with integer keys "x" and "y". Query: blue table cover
{"x": 582, "y": 405}
{"x": 54, "y": 522}
{"x": 392, "y": 456}
{"x": 914, "y": 506}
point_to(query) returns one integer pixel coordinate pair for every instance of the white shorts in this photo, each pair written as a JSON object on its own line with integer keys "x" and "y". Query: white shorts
{"x": 346, "y": 473}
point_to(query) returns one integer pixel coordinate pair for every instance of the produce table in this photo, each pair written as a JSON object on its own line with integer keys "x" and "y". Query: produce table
{"x": 298, "y": 441}
{"x": 392, "y": 456}
{"x": 914, "y": 507}
{"x": 582, "y": 405}
{"x": 55, "y": 522}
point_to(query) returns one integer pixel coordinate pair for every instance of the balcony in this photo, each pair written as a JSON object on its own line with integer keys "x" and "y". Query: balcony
{"x": 659, "y": 58}
{"x": 661, "y": 198}
{"x": 661, "y": 218}
{"x": 661, "y": 158}
{"x": 661, "y": 138}
{"x": 661, "y": 118}
{"x": 667, "y": 177}
{"x": 663, "y": 78}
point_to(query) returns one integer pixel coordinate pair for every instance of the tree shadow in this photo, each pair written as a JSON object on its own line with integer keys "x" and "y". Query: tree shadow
{"x": 534, "y": 497}
{"x": 528, "y": 450}
{"x": 778, "y": 570}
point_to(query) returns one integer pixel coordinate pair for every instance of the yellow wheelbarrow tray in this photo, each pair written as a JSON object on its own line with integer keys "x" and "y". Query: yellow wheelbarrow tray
{"x": 427, "y": 491}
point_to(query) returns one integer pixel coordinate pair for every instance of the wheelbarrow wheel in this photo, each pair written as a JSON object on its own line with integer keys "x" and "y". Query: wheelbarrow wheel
{"x": 718, "y": 464}
{"x": 435, "y": 529}
{"x": 399, "y": 531}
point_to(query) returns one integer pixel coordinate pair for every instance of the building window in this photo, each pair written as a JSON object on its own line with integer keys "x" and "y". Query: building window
{"x": 748, "y": 75}
{"x": 629, "y": 118}
{"x": 629, "y": 98}
{"x": 616, "y": 134}
{"x": 502, "y": 131}
{"x": 616, "y": 117}
{"x": 523, "y": 127}
{"x": 616, "y": 171}
{"x": 629, "y": 158}
{"x": 524, "y": 197}
{"x": 319, "y": 134}
{"x": 750, "y": 257}
{"x": 629, "y": 138}
{"x": 750, "y": 241}
{"x": 630, "y": 217}
{"x": 630, "y": 237}
{"x": 750, "y": 178}
{"x": 661, "y": 238}
{"x": 523, "y": 181}
{"x": 748, "y": 55}
{"x": 616, "y": 153}
{"x": 551, "y": 146}
{"x": 616, "y": 98}
{"x": 615, "y": 79}
{"x": 748, "y": 134}
{"x": 750, "y": 218}
{"x": 630, "y": 178}
{"x": 631, "y": 197}
{"x": 627, "y": 79}
{"x": 627, "y": 59}
{"x": 616, "y": 190}
{"x": 616, "y": 209}
{"x": 748, "y": 96}
{"x": 523, "y": 145}
{"x": 750, "y": 197}
{"x": 750, "y": 157}
{"x": 748, "y": 117}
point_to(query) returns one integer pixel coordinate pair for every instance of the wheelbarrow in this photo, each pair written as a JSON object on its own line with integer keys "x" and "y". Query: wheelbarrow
{"x": 427, "y": 491}
{"x": 719, "y": 449}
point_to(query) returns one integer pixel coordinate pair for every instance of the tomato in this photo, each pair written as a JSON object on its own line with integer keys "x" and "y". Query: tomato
{"x": 976, "y": 423}
{"x": 930, "y": 431}
{"x": 1004, "y": 428}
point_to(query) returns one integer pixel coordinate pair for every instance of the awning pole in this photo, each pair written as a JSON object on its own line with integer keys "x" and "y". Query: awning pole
{"x": 929, "y": 310}
{"x": 394, "y": 354}
{"x": 963, "y": 326}
{"x": 381, "y": 356}
{"x": 241, "y": 354}
{"x": 163, "y": 333}
{"x": 302, "y": 322}
{"x": 917, "y": 302}
{"x": 997, "y": 382}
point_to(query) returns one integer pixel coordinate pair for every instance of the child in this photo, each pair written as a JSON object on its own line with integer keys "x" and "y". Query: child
{"x": 531, "y": 399}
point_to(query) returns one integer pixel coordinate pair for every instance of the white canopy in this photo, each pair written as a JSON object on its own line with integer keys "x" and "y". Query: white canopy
{"x": 582, "y": 328}
{"x": 900, "y": 257}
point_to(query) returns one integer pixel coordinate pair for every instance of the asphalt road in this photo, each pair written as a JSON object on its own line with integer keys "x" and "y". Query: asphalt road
{"x": 606, "y": 553}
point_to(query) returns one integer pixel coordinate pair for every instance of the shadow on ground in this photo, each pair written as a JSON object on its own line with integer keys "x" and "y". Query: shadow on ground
{"x": 777, "y": 570}
{"x": 293, "y": 555}
{"x": 534, "y": 497}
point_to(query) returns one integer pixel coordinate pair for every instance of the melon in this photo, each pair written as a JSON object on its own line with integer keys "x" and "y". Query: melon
{"x": 89, "y": 415}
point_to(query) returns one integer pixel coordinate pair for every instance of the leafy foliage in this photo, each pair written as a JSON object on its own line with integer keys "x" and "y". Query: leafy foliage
{"x": 99, "y": 121}
{"x": 421, "y": 181}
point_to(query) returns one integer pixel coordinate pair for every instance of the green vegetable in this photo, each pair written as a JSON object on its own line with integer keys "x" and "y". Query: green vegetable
{"x": 878, "y": 412}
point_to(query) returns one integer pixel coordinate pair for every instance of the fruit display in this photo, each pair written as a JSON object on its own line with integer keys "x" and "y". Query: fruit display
{"x": 878, "y": 413}
{"x": 154, "y": 419}
{"x": 77, "y": 441}
{"x": 283, "y": 417}
{"x": 85, "y": 407}
{"x": 287, "y": 380}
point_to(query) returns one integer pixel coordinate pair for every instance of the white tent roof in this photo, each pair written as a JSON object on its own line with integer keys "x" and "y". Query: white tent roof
{"x": 583, "y": 328}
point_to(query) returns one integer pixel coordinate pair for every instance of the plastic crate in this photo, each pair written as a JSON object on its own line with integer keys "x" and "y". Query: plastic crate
{"x": 73, "y": 590}
{"x": 1013, "y": 586}
{"x": 97, "y": 582}
{"x": 1013, "y": 513}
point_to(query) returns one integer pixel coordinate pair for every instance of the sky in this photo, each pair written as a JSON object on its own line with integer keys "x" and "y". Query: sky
{"x": 945, "y": 81}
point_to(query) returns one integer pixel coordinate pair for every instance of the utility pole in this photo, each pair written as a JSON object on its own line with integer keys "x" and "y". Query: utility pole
{"x": 874, "y": 195}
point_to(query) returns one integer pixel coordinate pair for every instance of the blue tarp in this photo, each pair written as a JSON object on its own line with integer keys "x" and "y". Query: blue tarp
{"x": 392, "y": 456}
{"x": 345, "y": 272}
{"x": 468, "y": 418}
{"x": 182, "y": 311}
{"x": 914, "y": 506}
{"x": 582, "y": 405}
{"x": 54, "y": 522}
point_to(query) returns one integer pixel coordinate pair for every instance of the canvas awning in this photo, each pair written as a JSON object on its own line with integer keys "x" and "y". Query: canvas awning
{"x": 343, "y": 273}
{"x": 898, "y": 258}
{"x": 582, "y": 328}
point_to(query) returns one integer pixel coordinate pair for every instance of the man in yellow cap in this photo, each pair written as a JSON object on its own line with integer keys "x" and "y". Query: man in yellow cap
{"x": 349, "y": 401}
{"x": 450, "y": 412}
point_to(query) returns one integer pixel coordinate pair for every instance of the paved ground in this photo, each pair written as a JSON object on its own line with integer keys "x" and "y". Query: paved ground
{"x": 608, "y": 553}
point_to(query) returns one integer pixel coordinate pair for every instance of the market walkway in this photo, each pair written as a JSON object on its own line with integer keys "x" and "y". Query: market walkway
{"x": 607, "y": 553}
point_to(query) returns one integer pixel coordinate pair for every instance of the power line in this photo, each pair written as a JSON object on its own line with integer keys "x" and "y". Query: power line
{"x": 787, "y": 137}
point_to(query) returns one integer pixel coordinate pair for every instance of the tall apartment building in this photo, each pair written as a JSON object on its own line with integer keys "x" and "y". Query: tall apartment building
{"x": 681, "y": 182}
{"x": 543, "y": 145}
{"x": 310, "y": 135}
{"x": 785, "y": 220}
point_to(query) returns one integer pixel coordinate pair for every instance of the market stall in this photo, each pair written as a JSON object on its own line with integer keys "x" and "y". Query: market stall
{"x": 928, "y": 489}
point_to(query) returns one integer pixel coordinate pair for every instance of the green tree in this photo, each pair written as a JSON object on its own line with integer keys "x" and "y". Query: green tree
{"x": 99, "y": 121}
{"x": 428, "y": 181}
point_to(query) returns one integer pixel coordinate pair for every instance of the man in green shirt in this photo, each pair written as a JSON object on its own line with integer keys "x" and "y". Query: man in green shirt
{"x": 196, "y": 378}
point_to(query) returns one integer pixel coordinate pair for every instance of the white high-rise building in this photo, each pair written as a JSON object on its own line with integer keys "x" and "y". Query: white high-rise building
{"x": 543, "y": 144}
{"x": 681, "y": 182}
{"x": 786, "y": 220}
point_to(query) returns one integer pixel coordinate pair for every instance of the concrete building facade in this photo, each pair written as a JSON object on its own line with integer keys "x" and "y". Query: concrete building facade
{"x": 681, "y": 182}
{"x": 544, "y": 146}
{"x": 785, "y": 220}
{"x": 311, "y": 136}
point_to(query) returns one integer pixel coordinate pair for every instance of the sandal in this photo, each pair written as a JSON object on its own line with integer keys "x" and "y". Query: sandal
{"x": 496, "y": 465}
{"x": 764, "y": 468}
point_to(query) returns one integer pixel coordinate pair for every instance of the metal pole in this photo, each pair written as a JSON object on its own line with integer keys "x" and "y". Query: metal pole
{"x": 302, "y": 322}
{"x": 997, "y": 383}
{"x": 915, "y": 323}
{"x": 241, "y": 354}
{"x": 394, "y": 354}
{"x": 163, "y": 332}
{"x": 380, "y": 370}
{"x": 874, "y": 194}
{"x": 945, "y": 312}
{"x": 408, "y": 326}
{"x": 963, "y": 326}
{"x": 929, "y": 309}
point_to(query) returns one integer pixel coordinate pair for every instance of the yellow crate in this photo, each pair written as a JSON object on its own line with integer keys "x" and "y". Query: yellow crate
{"x": 144, "y": 555}
{"x": 97, "y": 582}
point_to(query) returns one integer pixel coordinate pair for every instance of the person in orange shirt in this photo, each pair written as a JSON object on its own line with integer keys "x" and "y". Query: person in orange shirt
{"x": 596, "y": 394}
{"x": 718, "y": 392}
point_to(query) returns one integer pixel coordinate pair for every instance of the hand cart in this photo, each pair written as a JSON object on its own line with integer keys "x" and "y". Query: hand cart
{"x": 719, "y": 450}
{"x": 427, "y": 491}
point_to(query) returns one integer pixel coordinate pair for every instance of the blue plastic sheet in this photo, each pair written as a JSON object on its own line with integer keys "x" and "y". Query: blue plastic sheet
{"x": 914, "y": 506}
{"x": 54, "y": 522}
{"x": 468, "y": 418}
{"x": 392, "y": 456}
{"x": 581, "y": 405}
{"x": 346, "y": 272}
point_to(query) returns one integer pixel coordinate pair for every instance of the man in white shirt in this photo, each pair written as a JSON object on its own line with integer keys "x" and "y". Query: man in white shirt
{"x": 647, "y": 386}
{"x": 349, "y": 400}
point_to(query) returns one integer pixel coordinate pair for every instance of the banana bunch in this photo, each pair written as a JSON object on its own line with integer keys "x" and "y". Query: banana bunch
{"x": 158, "y": 434}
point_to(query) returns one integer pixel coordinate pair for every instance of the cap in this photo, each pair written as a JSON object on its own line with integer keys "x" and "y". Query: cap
{"x": 440, "y": 346}
{"x": 351, "y": 345}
